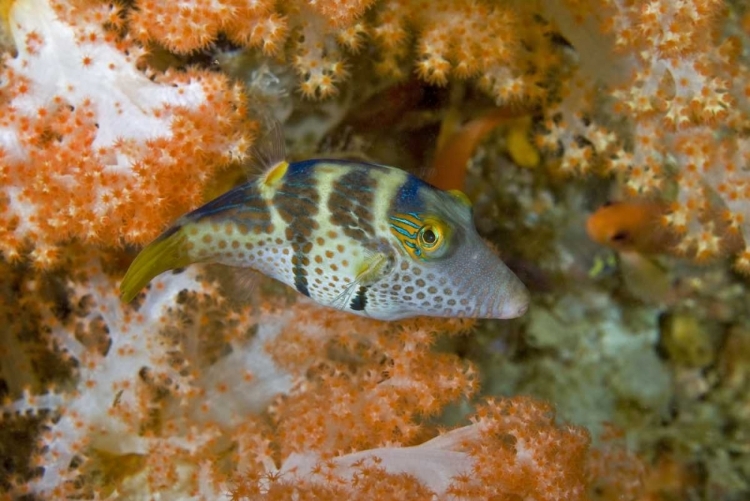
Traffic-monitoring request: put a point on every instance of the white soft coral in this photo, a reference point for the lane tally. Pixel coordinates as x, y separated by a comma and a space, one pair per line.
93, 148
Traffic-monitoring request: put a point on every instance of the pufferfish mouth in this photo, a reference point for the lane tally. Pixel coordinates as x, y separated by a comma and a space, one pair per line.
493, 289
502, 298
515, 305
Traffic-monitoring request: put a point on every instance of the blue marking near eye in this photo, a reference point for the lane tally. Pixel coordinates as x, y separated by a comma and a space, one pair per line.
404, 232
406, 221
408, 195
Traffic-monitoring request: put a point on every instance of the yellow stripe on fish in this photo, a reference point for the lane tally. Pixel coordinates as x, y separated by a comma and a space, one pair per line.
364, 238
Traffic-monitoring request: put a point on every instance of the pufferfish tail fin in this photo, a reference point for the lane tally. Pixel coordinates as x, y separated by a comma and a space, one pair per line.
167, 252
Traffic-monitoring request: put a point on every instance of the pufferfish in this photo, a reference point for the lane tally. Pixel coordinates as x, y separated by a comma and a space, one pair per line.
365, 238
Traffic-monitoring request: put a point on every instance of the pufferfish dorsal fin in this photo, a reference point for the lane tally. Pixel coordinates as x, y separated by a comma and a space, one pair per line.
268, 151
271, 157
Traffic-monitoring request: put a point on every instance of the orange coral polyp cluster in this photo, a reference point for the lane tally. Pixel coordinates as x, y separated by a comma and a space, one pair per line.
101, 153
341, 12
185, 27
462, 40
454, 38
378, 403
159, 383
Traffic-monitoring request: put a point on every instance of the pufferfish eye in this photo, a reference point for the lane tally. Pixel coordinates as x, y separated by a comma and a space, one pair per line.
423, 237
429, 237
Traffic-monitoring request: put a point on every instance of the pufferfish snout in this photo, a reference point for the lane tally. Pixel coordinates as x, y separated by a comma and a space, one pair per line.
369, 239
453, 272
480, 272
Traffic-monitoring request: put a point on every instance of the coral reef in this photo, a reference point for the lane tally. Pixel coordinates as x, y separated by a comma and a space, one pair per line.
188, 377
92, 147
627, 379
678, 76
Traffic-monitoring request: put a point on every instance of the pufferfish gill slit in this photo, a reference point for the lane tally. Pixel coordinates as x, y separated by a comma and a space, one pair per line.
365, 238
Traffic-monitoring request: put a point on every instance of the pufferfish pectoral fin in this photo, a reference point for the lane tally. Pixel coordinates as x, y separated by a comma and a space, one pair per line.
167, 252
374, 268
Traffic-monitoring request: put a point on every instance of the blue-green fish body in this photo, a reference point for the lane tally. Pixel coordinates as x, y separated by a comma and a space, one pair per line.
369, 239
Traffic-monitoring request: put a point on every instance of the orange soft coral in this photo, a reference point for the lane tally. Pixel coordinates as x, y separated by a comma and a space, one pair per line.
396, 380
185, 395
92, 148
506, 50
512, 450
188, 26
461, 38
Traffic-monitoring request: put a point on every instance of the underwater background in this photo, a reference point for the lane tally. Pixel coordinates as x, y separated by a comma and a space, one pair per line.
604, 145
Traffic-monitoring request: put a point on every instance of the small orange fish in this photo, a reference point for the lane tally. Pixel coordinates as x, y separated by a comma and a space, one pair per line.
457, 143
634, 230
632, 226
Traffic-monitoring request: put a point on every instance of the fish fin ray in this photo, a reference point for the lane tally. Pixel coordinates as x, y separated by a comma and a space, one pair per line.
342, 300
268, 152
